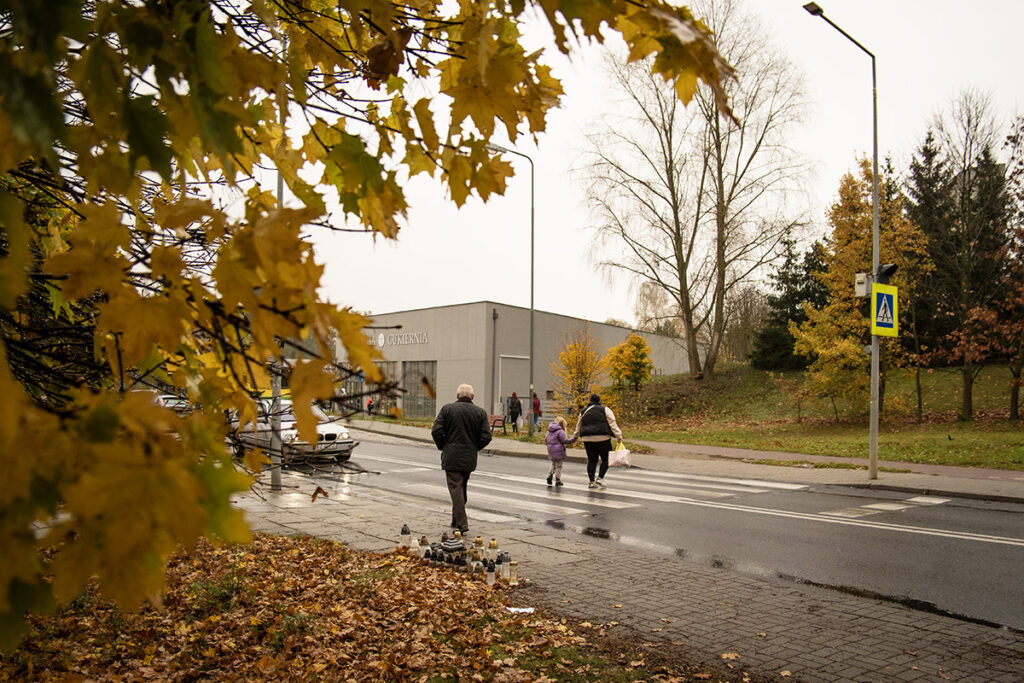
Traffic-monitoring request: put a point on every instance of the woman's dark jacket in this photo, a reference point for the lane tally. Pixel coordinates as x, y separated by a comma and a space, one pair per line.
594, 422
460, 431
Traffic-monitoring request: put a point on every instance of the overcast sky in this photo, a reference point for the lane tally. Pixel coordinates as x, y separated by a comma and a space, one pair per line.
927, 51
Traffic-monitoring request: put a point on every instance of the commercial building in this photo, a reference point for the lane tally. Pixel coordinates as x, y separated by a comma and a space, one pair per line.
487, 345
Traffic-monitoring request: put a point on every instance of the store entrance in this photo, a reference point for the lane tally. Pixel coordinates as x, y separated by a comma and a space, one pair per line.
417, 375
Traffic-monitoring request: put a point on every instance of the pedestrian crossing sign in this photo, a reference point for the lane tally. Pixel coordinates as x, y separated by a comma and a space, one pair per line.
884, 320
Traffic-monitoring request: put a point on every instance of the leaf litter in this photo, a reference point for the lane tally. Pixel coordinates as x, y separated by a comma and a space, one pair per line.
301, 608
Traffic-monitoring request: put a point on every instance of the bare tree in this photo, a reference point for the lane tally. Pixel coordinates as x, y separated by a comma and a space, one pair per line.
697, 199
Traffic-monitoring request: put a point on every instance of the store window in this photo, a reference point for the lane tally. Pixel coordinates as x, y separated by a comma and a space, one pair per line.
417, 375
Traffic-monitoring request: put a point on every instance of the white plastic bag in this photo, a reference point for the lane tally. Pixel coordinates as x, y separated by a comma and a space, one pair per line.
619, 457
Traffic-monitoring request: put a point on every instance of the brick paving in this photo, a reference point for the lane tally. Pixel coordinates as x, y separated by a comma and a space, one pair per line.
774, 626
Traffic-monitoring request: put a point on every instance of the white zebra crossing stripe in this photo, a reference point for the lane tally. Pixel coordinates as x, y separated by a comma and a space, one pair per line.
557, 494
887, 507
505, 500
575, 479
875, 508
647, 487
758, 483
852, 512
928, 500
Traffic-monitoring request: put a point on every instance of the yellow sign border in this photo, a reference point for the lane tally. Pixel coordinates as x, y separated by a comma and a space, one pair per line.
877, 289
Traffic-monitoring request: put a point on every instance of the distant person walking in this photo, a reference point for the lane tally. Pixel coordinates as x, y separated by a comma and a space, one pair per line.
556, 441
595, 428
515, 409
460, 432
536, 411
369, 406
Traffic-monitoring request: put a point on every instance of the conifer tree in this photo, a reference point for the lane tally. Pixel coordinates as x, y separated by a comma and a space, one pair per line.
795, 283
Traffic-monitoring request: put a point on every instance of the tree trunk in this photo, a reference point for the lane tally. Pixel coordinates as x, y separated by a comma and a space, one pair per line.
721, 263
967, 402
1015, 370
917, 388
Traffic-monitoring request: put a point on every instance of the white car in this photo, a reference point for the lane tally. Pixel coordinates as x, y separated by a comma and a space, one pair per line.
333, 441
179, 405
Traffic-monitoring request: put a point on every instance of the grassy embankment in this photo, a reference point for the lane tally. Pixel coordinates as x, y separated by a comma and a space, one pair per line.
745, 408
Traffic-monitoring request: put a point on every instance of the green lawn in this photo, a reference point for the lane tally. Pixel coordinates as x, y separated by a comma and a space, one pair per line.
955, 443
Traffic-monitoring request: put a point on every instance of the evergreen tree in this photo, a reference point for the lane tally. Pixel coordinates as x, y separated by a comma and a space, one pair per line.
965, 217
795, 283
930, 207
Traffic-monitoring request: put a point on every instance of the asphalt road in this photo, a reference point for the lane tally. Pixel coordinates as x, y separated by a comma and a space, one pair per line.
958, 557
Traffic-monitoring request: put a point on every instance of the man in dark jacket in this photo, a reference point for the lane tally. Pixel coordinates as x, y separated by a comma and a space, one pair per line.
460, 431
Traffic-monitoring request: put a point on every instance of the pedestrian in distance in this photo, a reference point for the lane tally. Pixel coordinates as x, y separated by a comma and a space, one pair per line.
369, 407
595, 428
536, 411
460, 431
515, 409
556, 441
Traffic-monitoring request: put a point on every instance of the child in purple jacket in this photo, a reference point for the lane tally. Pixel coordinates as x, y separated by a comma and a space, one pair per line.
556, 441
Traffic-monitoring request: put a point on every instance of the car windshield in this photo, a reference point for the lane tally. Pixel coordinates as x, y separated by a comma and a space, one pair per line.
288, 415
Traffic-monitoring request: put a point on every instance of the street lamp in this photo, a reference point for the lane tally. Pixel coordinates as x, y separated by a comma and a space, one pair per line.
816, 11
498, 148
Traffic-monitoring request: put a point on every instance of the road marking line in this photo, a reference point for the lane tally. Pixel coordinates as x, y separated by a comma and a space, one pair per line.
851, 512
533, 480
552, 495
928, 500
516, 503
715, 482
615, 491
725, 480
883, 526
673, 484
890, 507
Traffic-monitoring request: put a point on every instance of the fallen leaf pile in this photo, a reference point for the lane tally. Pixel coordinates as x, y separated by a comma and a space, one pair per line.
302, 608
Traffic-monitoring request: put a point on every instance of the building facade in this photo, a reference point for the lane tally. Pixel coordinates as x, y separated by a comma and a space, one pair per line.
487, 345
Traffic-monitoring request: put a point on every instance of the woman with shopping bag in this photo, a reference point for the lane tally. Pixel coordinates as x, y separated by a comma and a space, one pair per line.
595, 428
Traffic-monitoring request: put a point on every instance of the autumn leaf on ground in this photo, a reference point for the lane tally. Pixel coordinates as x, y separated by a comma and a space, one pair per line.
731, 655
319, 492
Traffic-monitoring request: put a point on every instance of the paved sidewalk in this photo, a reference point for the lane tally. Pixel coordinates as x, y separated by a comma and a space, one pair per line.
706, 612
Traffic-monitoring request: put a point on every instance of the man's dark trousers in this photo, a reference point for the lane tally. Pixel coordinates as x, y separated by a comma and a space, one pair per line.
457, 482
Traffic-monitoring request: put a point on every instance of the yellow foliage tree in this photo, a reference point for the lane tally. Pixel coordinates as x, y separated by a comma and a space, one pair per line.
578, 372
834, 336
125, 130
629, 365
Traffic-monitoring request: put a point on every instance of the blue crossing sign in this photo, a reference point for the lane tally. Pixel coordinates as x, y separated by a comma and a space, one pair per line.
884, 303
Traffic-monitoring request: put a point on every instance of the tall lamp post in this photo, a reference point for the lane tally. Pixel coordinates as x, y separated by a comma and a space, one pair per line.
498, 148
817, 11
